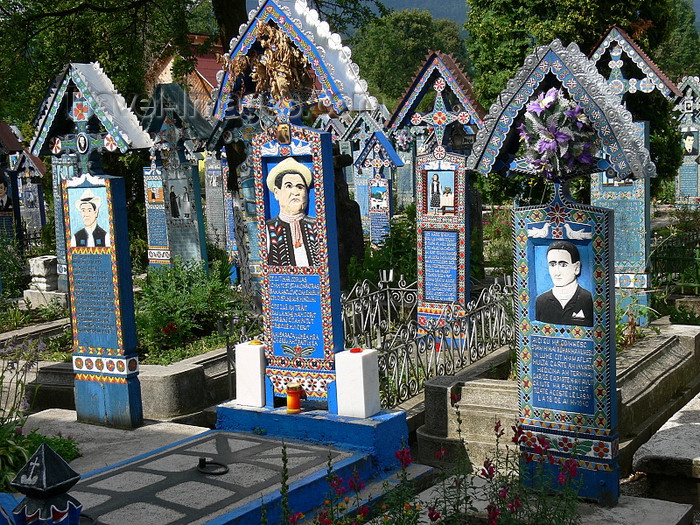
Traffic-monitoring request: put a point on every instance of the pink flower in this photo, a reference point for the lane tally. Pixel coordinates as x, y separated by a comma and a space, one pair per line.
498, 430
433, 514
493, 514
517, 433
503, 493
355, 483
515, 504
404, 457
439, 454
488, 471
337, 485
363, 511
295, 518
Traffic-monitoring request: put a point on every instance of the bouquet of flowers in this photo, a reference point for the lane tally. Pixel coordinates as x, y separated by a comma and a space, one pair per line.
403, 140
558, 139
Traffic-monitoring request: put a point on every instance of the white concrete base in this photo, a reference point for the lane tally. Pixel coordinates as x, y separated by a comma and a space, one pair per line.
44, 298
250, 374
357, 382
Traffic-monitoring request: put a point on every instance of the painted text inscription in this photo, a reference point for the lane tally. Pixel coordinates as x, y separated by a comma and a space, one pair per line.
562, 373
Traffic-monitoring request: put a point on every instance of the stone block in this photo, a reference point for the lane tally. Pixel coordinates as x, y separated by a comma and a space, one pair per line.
250, 374
44, 273
44, 297
357, 382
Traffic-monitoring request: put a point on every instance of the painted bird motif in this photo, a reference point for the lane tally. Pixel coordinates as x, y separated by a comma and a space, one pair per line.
577, 235
538, 233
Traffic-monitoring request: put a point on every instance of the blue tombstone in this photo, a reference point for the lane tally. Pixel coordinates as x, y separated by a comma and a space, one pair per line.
629, 199
356, 135
296, 232
688, 108
94, 237
379, 155
563, 260
107, 389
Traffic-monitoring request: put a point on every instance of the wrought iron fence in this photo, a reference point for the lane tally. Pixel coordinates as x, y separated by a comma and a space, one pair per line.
675, 263
372, 312
458, 338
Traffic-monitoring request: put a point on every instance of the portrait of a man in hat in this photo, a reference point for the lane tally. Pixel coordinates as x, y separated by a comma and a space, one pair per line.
291, 236
91, 235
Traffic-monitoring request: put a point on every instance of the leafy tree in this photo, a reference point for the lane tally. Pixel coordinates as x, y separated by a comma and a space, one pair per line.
503, 32
677, 54
390, 48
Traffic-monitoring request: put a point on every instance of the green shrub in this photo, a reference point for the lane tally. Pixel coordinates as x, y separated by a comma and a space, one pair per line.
397, 252
684, 315
498, 241
13, 266
179, 303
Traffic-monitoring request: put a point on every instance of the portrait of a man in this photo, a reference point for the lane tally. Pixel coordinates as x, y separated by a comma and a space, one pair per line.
91, 235
291, 236
5, 199
690, 146
567, 302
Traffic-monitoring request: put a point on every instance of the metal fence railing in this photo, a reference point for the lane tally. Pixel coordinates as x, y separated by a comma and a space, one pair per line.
457, 339
675, 263
383, 317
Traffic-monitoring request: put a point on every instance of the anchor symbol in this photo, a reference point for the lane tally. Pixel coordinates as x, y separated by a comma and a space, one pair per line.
31, 479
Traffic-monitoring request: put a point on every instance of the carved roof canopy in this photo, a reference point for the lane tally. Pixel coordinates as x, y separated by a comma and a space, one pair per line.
568, 68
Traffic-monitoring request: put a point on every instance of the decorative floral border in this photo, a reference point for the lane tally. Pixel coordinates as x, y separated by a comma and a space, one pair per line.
106, 365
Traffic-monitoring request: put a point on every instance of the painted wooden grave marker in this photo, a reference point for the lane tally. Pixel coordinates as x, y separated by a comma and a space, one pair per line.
630, 199
565, 306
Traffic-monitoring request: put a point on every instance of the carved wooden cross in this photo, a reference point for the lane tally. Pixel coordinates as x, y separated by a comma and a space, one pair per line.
439, 118
81, 143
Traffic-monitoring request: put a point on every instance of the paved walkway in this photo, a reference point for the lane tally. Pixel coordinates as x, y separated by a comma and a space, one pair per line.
156, 479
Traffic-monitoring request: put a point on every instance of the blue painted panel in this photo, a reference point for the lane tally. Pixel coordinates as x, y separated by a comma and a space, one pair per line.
688, 183
378, 227
93, 289
563, 374
295, 304
441, 250
157, 232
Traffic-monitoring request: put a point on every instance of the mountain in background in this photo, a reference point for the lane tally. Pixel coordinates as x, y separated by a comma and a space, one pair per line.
452, 9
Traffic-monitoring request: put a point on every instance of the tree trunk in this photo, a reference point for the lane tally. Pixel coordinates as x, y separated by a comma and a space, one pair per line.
230, 14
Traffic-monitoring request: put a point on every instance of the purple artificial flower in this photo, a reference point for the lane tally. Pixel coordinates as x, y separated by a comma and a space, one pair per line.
585, 157
576, 114
535, 107
550, 98
551, 138
569, 158
524, 135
